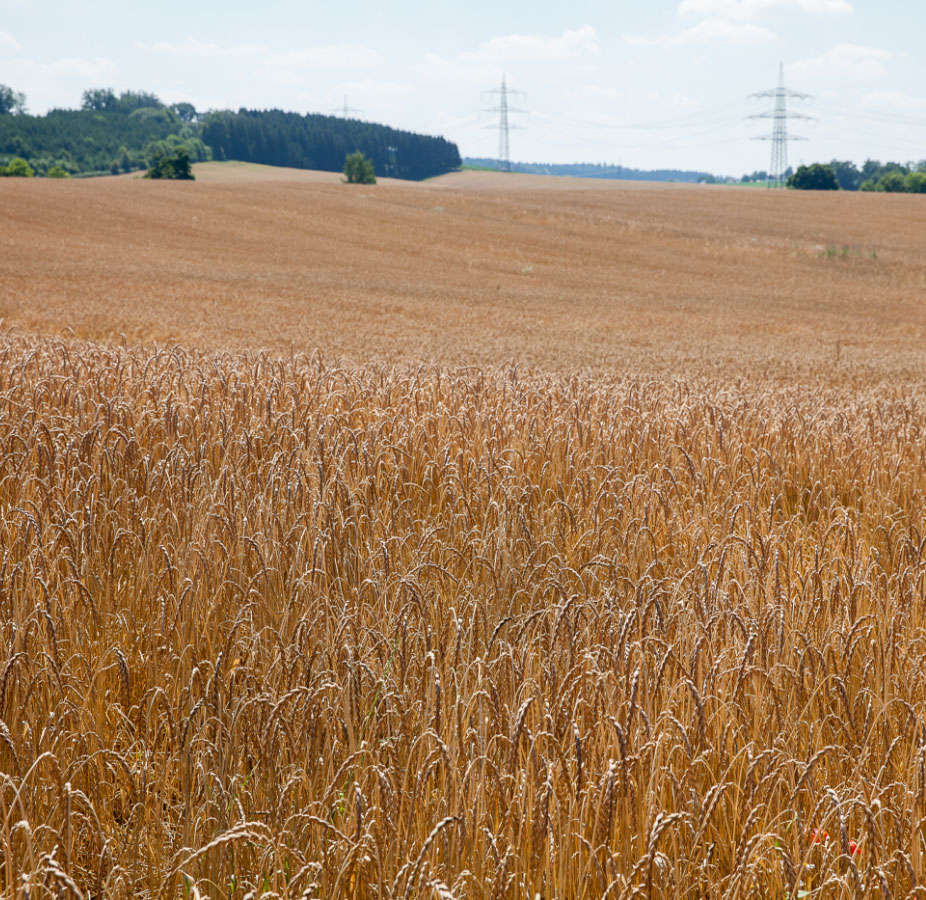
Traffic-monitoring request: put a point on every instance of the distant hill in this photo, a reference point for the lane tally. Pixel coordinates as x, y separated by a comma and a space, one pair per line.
593, 170
111, 134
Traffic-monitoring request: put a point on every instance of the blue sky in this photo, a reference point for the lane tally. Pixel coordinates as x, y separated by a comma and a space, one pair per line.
650, 85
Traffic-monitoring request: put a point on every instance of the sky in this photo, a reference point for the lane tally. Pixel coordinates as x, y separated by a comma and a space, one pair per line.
657, 84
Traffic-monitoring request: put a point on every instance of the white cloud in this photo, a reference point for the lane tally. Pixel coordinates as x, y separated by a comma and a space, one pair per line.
852, 61
683, 101
57, 83
536, 47
492, 56
708, 31
334, 56
79, 66
376, 97
200, 49
592, 92
8, 42
742, 10
438, 68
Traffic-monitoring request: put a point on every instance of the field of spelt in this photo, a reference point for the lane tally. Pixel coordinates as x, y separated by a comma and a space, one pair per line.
277, 624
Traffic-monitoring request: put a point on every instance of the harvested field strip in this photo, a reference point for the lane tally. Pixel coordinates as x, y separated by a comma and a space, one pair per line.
279, 626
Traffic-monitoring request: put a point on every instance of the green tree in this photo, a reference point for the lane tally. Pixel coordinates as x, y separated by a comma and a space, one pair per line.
18, 168
916, 183
175, 165
57, 172
11, 102
847, 174
185, 112
870, 170
129, 101
893, 182
99, 100
818, 177
358, 169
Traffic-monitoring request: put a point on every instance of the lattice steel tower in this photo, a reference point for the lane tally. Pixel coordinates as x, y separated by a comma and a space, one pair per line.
345, 110
779, 136
504, 109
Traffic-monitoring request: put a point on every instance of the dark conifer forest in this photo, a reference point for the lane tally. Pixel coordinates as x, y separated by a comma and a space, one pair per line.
322, 142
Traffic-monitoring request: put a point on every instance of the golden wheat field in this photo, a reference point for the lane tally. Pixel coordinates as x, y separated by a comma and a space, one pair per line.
608, 581
650, 279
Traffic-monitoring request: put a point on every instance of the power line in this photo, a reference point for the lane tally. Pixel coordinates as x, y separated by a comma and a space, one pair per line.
696, 118
779, 136
504, 109
890, 118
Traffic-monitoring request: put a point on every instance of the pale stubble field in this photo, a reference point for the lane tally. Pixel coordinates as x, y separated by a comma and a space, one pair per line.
460, 540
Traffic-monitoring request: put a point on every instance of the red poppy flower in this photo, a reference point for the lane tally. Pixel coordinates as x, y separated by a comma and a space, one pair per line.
818, 837
854, 848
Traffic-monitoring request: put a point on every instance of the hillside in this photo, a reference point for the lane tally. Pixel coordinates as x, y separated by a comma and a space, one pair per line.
113, 134
654, 278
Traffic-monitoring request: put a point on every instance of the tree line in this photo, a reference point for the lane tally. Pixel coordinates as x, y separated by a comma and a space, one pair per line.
134, 130
592, 170
109, 134
891, 177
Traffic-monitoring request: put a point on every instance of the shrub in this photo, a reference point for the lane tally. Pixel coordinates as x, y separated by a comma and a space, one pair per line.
175, 166
17, 168
892, 183
358, 169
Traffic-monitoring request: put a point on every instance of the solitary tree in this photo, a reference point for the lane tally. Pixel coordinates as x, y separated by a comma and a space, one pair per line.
11, 102
817, 177
358, 169
175, 165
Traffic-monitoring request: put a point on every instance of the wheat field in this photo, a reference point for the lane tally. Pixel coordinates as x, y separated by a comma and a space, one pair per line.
277, 625
658, 280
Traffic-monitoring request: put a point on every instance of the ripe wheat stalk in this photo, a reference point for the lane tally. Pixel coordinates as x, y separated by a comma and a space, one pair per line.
278, 628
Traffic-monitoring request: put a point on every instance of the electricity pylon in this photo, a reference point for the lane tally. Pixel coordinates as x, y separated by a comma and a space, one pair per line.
504, 109
345, 110
779, 136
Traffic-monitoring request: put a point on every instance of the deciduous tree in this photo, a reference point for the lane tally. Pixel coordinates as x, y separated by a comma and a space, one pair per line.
17, 168
11, 102
358, 169
818, 177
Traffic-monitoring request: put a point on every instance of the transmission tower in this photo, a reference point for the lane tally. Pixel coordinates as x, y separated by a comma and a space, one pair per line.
345, 110
504, 109
779, 136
